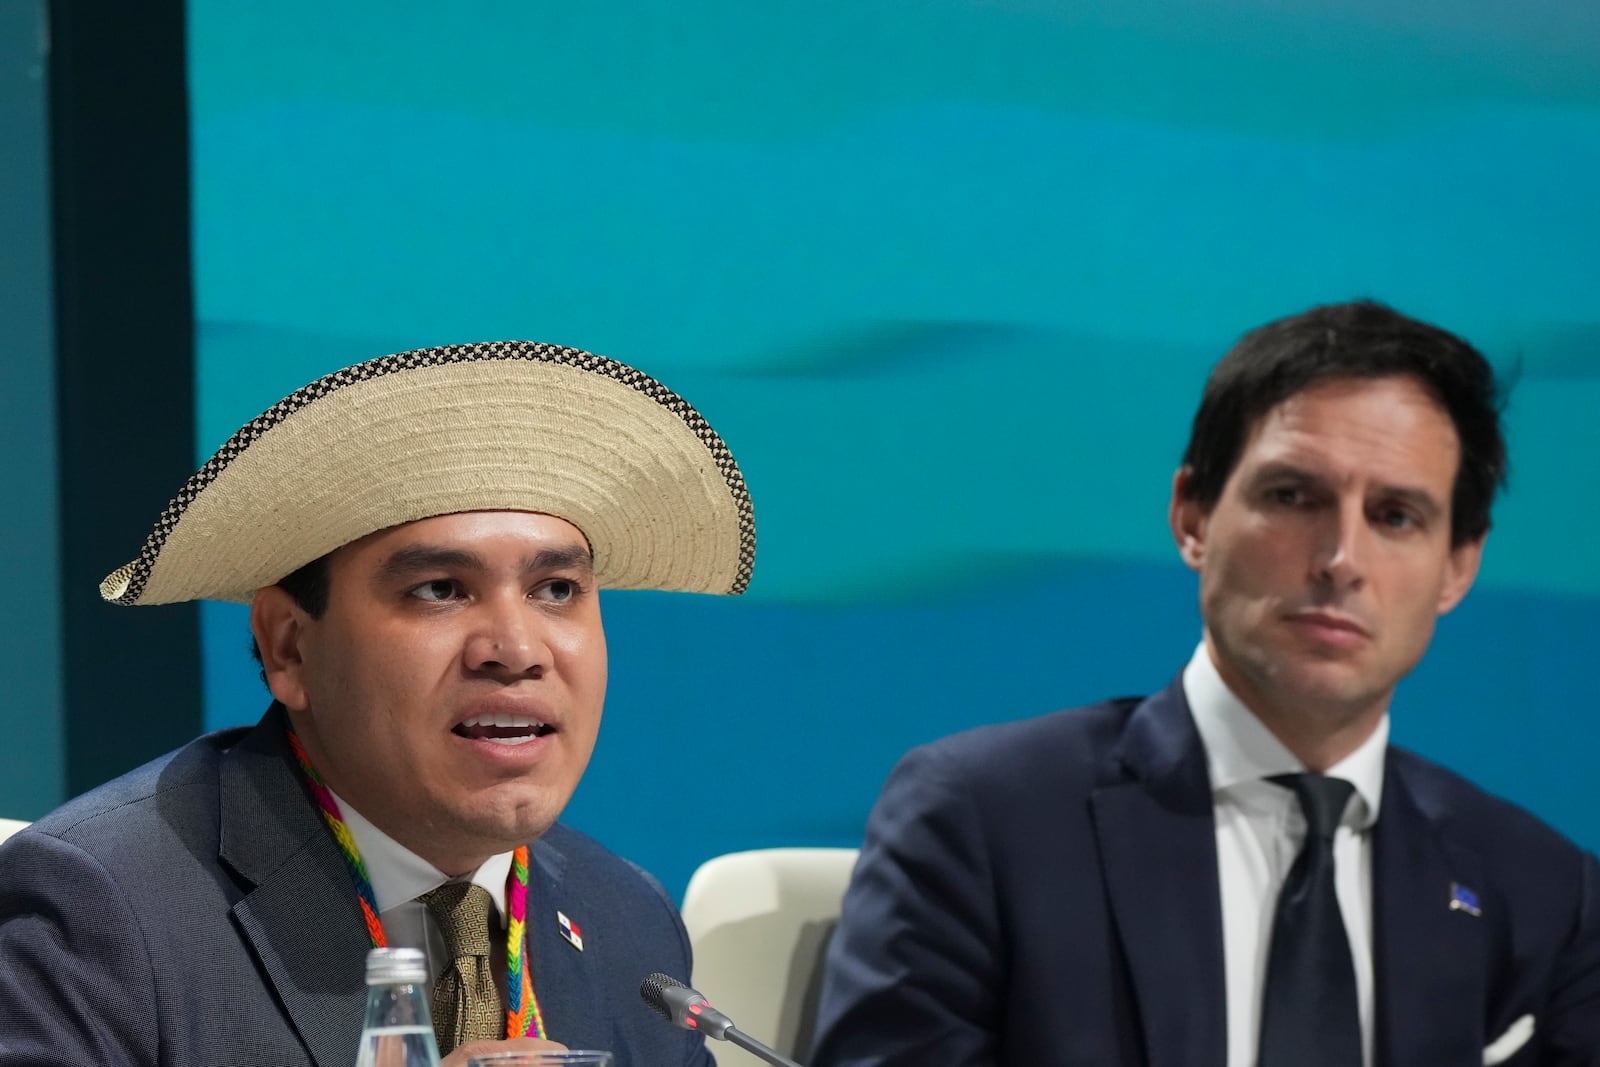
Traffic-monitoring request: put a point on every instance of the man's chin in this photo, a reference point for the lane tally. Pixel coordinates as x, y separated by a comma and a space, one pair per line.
1332, 693
514, 821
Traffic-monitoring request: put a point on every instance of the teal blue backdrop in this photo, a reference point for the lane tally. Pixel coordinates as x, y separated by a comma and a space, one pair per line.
33, 780
948, 276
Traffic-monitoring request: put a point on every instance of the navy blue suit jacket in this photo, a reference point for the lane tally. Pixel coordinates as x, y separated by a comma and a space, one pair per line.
1044, 894
195, 913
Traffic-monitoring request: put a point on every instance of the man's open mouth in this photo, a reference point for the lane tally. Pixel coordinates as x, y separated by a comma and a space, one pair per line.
503, 728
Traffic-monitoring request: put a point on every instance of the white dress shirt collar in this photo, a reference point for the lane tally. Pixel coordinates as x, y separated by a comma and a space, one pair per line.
399, 875
1239, 748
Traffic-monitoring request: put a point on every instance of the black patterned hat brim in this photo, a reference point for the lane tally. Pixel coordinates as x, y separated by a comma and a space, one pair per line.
512, 425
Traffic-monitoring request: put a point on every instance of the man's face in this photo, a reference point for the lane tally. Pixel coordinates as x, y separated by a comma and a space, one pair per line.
1327, 559
452, 690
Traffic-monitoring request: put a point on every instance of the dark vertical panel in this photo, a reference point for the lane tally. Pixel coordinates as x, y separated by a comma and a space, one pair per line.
125, 368
31, 761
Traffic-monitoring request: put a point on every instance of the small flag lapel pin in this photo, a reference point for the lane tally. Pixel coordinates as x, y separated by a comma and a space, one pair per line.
1464, 899
574, 936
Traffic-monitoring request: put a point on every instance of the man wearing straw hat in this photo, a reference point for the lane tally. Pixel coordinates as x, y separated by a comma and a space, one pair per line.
421, 539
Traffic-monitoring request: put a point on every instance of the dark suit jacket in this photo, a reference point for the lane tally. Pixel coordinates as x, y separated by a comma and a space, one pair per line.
195, 913
1044, 893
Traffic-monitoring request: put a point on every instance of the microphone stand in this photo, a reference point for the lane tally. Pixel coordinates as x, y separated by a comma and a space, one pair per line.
751, 1045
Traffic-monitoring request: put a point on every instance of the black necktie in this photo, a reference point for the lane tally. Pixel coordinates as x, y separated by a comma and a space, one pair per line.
1309, 1015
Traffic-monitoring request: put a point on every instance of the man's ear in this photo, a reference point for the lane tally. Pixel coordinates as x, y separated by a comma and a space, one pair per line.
278, 624
1188, 521
1462, 570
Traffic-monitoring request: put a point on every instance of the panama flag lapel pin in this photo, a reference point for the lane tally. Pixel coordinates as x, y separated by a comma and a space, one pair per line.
1464, 899
570, 931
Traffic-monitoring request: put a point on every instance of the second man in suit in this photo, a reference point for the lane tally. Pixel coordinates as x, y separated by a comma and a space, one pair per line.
1241, 870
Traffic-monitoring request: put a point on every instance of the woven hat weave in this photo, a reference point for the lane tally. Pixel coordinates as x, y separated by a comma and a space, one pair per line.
512, 425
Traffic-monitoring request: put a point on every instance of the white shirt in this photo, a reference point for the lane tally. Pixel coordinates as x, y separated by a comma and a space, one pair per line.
1259, 832
399, 876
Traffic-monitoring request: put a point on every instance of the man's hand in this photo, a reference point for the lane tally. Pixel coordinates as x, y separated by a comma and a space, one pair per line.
460, 1056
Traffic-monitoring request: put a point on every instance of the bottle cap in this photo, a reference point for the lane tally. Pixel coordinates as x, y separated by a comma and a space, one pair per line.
388, 966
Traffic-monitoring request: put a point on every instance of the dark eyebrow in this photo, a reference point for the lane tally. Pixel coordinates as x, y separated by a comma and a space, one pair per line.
572, 557
413, 560
1271, 472
1420, 499
417, 559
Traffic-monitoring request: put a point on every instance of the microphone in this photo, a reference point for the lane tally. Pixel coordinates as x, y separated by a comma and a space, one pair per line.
682, 1006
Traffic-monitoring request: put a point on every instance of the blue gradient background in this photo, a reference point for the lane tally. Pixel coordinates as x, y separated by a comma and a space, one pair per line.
948, 277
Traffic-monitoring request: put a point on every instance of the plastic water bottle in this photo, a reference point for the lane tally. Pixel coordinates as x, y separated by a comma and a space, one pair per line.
398, 1031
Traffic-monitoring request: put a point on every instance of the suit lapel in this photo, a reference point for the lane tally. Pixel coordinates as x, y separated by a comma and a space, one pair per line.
1158, 848
1429, 959
301, 919
562, 980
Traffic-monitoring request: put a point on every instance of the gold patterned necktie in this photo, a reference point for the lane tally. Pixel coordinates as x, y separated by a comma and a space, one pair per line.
466, 1003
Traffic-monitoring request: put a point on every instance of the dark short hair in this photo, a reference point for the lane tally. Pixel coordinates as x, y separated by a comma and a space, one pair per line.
307, 587
1361, 339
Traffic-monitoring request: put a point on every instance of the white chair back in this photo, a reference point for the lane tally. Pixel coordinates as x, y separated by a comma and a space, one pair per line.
9, 827
760, 923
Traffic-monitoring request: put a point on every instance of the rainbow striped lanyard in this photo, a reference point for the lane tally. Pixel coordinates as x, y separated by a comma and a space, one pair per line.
523, 1018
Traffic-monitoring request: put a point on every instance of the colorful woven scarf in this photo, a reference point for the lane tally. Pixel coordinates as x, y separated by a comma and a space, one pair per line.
523, 1018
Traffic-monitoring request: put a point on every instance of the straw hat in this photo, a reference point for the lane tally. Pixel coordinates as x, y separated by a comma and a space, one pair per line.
501, 426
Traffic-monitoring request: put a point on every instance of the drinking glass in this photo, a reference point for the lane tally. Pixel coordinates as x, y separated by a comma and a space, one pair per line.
570, 1058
